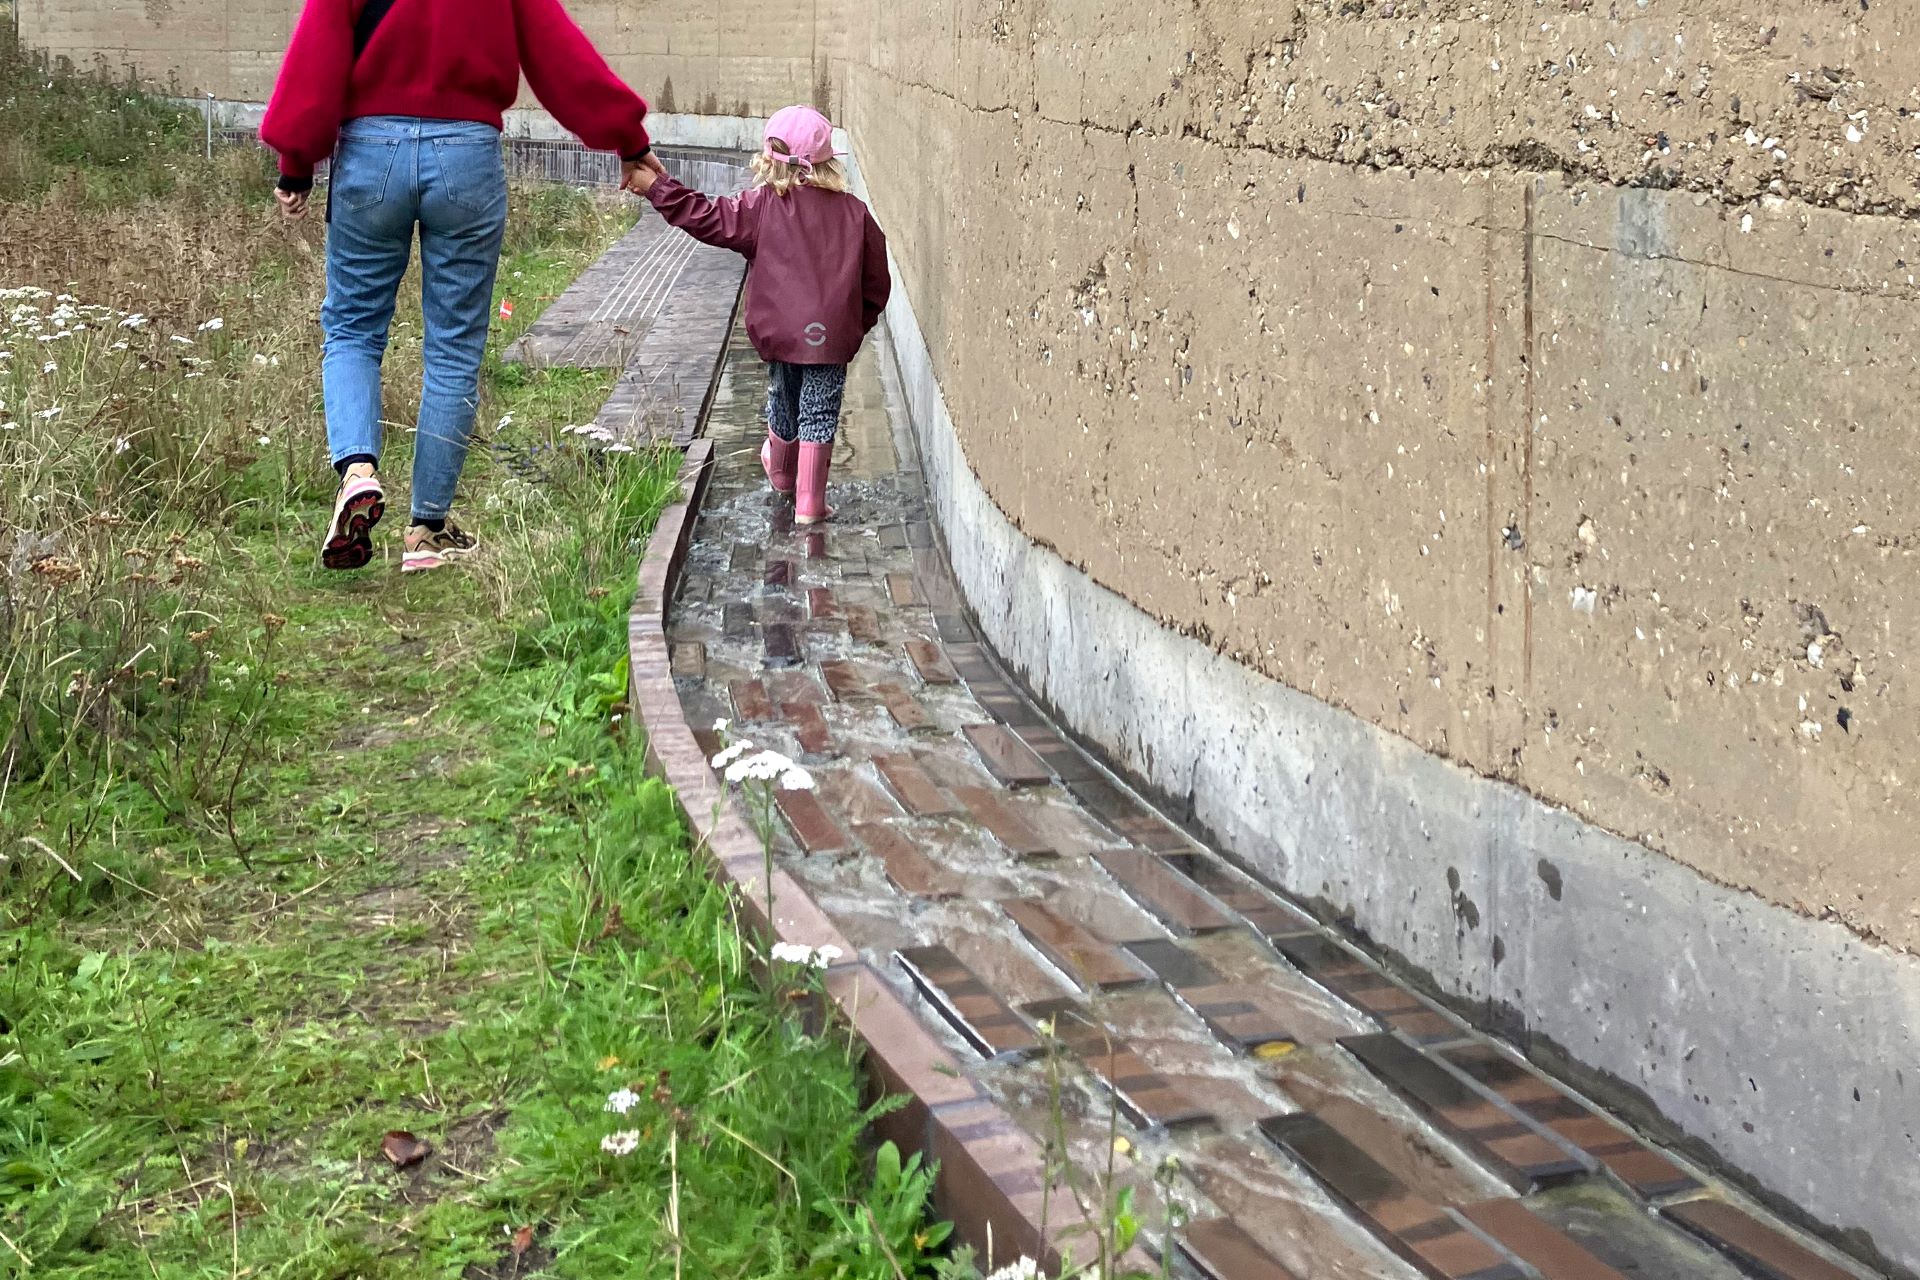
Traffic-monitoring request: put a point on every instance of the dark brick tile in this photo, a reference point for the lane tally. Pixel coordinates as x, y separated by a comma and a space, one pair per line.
992, 810
1004, 703
1519, 1154
913, 788
737, 621
1364, 987
783, 644
709, 742
810, 726
695, 588
971, 661
910, 870
779, 575
862, 624
690, 660
919, 535
1222, 1251
1644, 1170
845, 682
1073, 949
1006, 757
779, 608
1413, 1227
750, 702
953, 627
891, 538
1067, 761
1517, 1230
1760, 1250
812, 825
1169, 896
795, 686
1269, 916
901, 590
905, 708
1145, 1096
931, 663
1234, 1011
1127, 817
982, 1018
821, 606
745, 557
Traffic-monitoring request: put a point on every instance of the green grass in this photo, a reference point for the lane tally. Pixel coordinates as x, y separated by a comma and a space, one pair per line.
293, 860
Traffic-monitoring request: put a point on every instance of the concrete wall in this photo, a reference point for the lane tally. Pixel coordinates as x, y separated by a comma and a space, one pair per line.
1524, 385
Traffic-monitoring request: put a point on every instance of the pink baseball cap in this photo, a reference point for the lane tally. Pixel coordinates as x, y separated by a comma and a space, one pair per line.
808, 136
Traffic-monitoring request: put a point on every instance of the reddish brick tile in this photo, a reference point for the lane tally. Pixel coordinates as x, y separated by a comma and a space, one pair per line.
1269, 917
1643, 1169
913, 788
1418, 1230
817, 547
993, 1187
1235, 1012
750, 702
1550, 1251
812, 825
1222, 1251
1173, 899
784, 647
931, 663
1760, 1250
810, 726
901, 590
862, 624
1145, 1096
905, 708
1522, 1156
779, 575
845, 682
982, 1018
1089, 960
1007, 758
911, 871
992, 810
690, 659
821, 606
795, 686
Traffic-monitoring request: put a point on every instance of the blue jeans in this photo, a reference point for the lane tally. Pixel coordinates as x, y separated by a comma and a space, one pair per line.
391, 174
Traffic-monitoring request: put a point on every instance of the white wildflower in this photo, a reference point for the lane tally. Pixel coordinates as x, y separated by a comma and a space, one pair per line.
621, 1101
722, 725
121, 444
506, 420
796, 779
135, 321
805, 956
764, 767
265, 441
51, 366
48, 415
183, 340
1025, 1269
119, 346
619, 448
732, 753
623, 1143
212, 326
260, 359
6, 355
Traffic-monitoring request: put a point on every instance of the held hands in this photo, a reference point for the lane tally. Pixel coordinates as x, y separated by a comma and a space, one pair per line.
638, 176
293, 204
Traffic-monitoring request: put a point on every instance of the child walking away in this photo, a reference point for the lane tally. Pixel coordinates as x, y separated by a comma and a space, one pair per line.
817, 283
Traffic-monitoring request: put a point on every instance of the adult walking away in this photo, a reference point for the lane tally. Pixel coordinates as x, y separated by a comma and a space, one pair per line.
407, 97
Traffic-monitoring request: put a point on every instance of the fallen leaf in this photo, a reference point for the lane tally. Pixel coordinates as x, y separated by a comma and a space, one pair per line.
402, 1149
522, 1241
609, 1062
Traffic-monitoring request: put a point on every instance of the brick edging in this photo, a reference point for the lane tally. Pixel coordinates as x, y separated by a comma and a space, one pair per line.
993, 1175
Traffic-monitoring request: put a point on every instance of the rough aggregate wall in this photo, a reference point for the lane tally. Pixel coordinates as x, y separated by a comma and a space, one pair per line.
1568, 443
1527, 378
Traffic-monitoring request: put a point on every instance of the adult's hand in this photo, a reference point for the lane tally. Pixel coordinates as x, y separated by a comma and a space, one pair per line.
638, 176
293, 204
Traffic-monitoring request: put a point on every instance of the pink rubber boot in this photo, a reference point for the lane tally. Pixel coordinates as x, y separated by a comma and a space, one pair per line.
810, 493
777, 460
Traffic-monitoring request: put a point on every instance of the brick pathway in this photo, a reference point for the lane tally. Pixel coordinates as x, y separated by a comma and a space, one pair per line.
1327, 1121
1124, 995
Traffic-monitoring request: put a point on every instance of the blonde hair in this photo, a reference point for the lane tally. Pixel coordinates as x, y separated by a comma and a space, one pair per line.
783, 175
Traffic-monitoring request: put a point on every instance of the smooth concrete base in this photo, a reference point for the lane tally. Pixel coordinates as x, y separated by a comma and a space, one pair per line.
1774, 1044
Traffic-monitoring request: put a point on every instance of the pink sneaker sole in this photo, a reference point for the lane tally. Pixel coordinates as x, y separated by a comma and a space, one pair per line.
349, 543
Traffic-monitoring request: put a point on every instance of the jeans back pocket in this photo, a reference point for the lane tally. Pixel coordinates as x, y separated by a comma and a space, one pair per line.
362, 169
472, 172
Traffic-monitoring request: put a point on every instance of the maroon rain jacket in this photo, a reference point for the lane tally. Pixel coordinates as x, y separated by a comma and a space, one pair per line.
818, 277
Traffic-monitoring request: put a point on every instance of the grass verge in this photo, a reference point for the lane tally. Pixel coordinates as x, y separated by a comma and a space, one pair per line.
296, 863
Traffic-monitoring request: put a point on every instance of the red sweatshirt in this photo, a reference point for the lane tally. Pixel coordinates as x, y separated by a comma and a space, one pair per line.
443, 60
818, 278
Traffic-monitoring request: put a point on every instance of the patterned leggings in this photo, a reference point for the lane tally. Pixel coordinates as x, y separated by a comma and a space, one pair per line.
803, 400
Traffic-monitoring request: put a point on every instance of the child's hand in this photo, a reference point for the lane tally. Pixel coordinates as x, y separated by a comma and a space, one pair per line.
638, 176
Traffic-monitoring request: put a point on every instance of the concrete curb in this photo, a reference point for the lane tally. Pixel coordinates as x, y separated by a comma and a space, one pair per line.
993, 1182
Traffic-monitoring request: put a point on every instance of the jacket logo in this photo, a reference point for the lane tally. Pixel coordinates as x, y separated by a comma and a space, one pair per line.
816, 334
